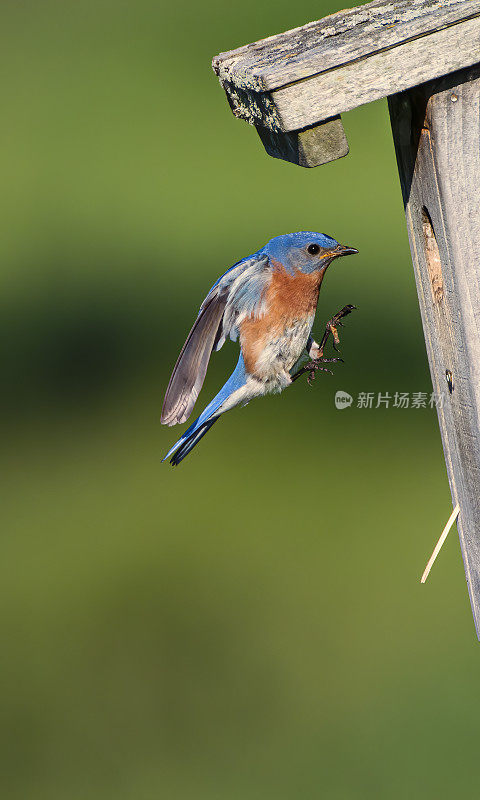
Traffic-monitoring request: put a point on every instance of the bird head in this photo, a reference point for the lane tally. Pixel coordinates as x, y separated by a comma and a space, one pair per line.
306, 251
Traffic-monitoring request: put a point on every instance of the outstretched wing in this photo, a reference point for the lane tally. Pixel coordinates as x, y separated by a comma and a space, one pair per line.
237, 294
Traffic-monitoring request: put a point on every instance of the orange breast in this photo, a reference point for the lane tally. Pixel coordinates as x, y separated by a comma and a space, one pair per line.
289, 299
293, 296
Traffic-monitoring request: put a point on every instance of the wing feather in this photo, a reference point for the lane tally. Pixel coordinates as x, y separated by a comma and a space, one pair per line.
191, 367
236, 294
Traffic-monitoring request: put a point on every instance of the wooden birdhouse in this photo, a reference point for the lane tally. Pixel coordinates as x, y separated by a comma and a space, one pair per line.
424, 56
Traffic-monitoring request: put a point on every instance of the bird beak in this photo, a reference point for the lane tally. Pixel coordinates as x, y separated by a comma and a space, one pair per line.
343, 250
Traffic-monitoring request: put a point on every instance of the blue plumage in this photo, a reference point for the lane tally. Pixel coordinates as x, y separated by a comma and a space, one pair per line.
268, 301
209, 415
289, 249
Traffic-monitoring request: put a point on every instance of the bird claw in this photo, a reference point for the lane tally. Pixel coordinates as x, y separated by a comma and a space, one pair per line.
316, 366
333, 324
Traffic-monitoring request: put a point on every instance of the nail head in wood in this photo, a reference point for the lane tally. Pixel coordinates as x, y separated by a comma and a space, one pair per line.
437, 140
425, 56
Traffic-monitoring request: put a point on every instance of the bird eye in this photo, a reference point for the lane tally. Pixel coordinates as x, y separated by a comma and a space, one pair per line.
313, 249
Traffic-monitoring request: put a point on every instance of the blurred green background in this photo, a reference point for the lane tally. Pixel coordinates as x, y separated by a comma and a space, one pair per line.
250, 625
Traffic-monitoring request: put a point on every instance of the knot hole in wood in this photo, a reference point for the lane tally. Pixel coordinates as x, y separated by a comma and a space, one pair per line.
432, 256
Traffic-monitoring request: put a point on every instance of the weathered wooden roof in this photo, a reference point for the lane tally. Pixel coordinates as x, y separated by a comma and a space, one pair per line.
306, 75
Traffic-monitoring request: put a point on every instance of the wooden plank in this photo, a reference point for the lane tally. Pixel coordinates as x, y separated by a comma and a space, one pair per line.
437, 140
337, 40
309, 74
309, 147
378, 76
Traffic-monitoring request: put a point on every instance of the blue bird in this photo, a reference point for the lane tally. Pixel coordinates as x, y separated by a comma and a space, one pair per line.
267, 301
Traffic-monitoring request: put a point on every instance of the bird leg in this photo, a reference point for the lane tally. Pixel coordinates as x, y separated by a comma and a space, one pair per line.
314, 366
331, 328
315, 351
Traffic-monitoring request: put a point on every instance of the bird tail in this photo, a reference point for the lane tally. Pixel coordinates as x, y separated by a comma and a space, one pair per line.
190, 442
204, 422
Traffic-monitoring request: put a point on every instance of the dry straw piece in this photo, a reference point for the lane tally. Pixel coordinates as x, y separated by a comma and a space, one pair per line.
453, 516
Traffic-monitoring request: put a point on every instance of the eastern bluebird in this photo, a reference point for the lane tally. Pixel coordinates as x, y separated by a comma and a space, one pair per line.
267, 300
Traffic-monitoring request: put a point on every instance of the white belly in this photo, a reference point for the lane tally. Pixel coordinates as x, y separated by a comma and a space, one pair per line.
280, 355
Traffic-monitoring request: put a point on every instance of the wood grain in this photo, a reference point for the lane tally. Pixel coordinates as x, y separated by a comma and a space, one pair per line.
309, 74
309, 147
378, 76
337, 40
437, 140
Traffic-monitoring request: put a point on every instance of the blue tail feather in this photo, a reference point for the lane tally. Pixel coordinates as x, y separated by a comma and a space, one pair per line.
190, 443
204, 422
